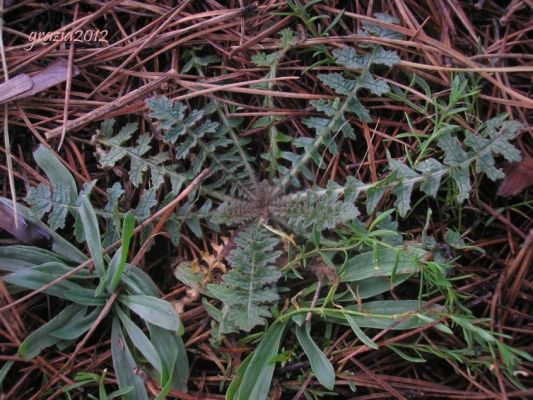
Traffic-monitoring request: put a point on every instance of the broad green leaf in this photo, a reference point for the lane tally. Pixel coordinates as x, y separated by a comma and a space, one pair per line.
77, 325
256, 379
153, 310
38, 276
85, 296
124, 365
373, 286
56, 172
320, 364
41, 338
382, 263
138, 282
173, 356
139, 340
16, 257
92, 235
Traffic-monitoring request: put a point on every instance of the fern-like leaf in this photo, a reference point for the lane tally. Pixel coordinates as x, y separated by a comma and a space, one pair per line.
249, 288
140, 161
347, 87
405, 185
58, 200
201, 140
313, 209
371, 29
321, 209
457, 159
494, 139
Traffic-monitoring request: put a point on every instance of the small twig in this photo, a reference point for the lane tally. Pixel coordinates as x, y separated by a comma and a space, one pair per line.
68, 84
105, 109
6, 121
315, 299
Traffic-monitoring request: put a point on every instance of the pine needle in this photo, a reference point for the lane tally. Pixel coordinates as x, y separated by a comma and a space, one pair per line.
7, 144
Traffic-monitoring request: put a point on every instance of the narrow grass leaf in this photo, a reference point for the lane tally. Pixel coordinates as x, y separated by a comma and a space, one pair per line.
406, 356
359, 332
5, 370
234, 385
118, 268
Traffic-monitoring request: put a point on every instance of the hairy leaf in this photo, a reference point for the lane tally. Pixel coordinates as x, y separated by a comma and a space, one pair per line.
249, 287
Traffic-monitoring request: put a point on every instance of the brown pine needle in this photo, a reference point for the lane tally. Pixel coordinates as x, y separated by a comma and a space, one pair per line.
7, 143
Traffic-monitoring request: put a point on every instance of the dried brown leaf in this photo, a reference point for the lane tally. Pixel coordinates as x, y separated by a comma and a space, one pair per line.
25, 231
15, 86
23, 85
518, 177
